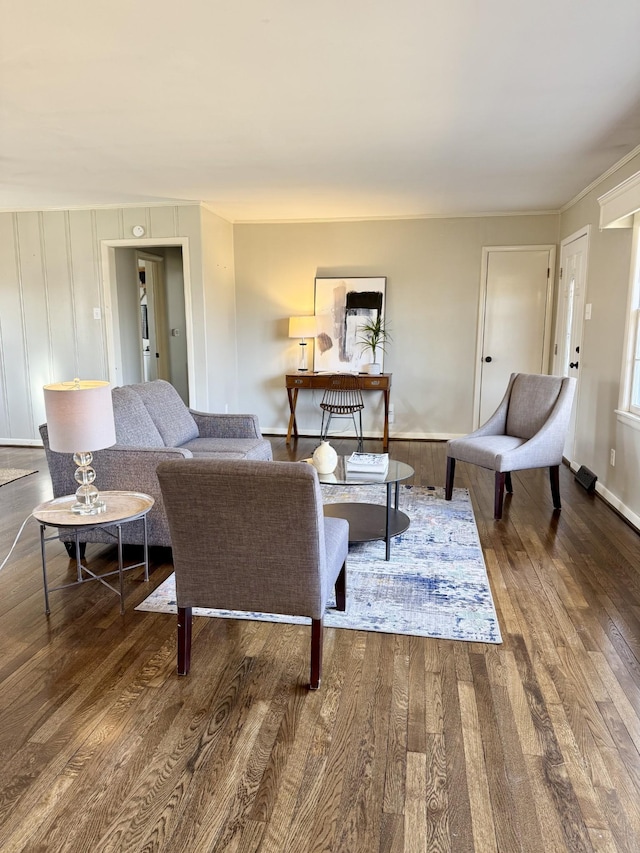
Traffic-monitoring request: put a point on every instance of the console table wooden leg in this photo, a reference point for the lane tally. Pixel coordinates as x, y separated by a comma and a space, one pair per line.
293, 426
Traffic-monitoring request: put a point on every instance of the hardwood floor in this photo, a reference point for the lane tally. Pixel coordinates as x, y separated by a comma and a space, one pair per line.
410, 744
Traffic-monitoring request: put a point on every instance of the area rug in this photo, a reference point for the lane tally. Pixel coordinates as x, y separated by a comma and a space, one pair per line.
8, 475
434, 585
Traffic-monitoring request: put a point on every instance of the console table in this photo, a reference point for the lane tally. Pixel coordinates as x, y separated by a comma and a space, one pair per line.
321, 381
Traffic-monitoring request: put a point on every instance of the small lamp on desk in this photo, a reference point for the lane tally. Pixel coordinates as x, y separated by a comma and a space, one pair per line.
79, 421
303, 327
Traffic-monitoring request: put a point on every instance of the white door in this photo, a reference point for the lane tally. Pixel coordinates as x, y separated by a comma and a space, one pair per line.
571, 314
514, 320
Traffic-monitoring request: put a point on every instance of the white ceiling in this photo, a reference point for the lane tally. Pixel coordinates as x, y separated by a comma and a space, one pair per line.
287, 109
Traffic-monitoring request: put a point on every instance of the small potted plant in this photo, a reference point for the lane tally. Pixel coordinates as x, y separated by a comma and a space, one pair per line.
373, 335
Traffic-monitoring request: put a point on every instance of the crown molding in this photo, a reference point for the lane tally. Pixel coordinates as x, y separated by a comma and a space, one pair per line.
603, 177
115, 206
408, 217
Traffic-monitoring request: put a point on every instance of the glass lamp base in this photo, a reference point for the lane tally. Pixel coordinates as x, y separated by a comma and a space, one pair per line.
89, 509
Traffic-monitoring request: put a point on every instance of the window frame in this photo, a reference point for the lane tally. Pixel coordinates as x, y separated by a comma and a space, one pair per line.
631, 355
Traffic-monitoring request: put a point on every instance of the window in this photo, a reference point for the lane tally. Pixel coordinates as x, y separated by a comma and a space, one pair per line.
631, 371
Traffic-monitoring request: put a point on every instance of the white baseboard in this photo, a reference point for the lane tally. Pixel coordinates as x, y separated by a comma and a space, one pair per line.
21, 442
618, 505
613, 501
406, 436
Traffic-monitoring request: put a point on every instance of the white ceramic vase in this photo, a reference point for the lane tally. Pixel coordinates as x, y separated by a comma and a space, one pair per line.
325, 458
373, 367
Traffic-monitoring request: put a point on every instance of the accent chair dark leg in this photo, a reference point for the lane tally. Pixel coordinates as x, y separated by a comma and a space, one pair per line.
341, 589
185, 620
451, 470
554, 477
507, 482
499, 495
316, 653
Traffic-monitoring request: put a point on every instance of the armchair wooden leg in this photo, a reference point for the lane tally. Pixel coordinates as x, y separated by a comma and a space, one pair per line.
448, 486
185, 619
316, 653
499, 495
554, 477
507, 482
341, 589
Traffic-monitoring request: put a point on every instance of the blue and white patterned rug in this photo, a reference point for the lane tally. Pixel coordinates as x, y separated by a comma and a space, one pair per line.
434, 585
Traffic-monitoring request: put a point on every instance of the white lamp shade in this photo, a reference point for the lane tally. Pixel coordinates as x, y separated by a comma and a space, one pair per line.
303, 327
79, 416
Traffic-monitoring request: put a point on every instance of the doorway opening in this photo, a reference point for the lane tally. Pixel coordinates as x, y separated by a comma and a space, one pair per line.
146, 292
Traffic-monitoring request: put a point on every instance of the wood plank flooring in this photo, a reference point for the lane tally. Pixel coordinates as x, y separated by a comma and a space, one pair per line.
410, 745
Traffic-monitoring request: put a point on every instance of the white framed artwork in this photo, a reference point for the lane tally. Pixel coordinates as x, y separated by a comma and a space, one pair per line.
342, 305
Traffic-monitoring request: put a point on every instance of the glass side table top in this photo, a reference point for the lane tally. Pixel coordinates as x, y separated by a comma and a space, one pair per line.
396, 472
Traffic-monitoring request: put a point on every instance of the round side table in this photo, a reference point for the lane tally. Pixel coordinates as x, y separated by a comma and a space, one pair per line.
122, 507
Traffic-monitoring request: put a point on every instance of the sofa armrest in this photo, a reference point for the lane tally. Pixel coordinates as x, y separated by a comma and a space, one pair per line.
226, 426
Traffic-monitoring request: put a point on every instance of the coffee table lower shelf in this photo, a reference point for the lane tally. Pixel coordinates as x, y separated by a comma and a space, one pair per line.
368, 522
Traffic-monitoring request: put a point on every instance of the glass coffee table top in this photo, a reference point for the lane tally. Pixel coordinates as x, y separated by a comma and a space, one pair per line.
396, 473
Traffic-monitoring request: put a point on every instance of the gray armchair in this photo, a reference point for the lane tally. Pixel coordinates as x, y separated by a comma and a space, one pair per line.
527, 430
252, 536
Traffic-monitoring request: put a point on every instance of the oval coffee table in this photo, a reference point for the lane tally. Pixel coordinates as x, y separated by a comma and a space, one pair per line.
369, 522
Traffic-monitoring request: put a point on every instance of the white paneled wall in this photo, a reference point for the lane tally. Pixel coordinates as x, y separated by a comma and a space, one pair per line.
50, 286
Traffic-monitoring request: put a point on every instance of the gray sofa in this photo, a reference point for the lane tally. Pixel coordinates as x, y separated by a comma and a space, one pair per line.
153, 425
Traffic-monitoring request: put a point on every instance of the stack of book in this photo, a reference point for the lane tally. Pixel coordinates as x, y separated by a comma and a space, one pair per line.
374, 464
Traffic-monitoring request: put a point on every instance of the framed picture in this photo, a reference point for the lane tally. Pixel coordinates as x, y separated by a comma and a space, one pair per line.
342, 305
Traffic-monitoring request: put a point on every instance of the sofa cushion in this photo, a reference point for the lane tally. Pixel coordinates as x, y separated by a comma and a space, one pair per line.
168, 412
231, 448
134, 425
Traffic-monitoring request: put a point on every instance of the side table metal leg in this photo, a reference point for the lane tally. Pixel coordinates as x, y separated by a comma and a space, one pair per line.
146, 548
78, 559
120, 568
44, 571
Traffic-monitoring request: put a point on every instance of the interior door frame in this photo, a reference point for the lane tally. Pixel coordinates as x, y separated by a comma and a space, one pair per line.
110, 300
482, 308
585, 231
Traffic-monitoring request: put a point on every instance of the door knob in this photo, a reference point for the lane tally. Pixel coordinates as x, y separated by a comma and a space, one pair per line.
573, 364
488, 359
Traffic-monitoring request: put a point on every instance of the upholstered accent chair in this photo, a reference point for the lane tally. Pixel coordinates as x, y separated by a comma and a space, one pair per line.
252, 536
527, 430
343, 400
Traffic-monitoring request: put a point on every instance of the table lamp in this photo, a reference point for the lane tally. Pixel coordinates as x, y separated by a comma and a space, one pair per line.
303, 327
80, 415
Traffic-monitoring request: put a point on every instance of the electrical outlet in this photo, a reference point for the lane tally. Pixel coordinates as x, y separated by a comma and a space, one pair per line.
97, 314
392, 413
612, 458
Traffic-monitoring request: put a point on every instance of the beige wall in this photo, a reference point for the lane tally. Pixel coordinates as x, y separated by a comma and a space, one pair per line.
598, 428
433, 281
220, 312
